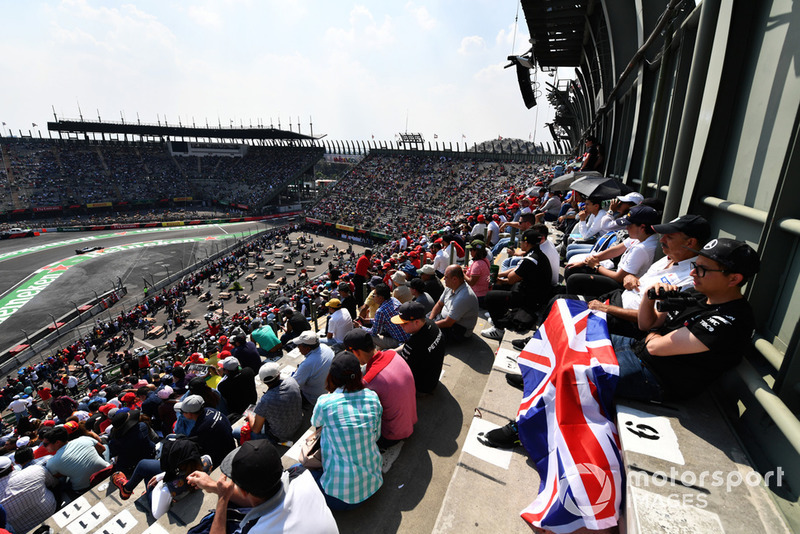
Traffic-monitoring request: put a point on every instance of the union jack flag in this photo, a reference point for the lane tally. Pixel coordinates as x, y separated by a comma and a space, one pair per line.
570, 371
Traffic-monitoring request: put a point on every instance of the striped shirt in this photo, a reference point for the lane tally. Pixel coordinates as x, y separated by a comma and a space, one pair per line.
351, 426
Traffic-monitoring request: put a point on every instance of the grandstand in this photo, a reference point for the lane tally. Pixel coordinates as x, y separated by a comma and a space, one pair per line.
64, 175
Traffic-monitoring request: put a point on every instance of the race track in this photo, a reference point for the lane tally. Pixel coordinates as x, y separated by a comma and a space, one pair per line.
45, 273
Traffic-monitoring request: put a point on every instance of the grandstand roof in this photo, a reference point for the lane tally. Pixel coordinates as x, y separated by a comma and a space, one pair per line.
157, 130
556, 28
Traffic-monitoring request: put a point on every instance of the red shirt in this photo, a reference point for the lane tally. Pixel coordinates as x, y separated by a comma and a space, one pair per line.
362, 266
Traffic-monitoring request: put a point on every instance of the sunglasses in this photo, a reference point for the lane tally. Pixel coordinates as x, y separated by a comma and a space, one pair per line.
701, 271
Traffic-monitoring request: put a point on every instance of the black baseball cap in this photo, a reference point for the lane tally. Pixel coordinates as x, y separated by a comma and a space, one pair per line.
255, 467
358, 339
735, 256
638, 215
344, 367
409, 311
691, 225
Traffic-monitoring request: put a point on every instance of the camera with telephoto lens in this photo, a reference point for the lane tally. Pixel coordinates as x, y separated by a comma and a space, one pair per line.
669, 301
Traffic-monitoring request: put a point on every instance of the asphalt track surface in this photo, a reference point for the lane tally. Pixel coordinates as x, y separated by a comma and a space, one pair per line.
132, 256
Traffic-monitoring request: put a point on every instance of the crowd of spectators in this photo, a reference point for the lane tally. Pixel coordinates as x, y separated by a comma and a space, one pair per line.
420, 293
390, 194
49, 173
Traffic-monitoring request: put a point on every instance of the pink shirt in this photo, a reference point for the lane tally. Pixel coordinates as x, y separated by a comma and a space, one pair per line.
395, 386
481, 268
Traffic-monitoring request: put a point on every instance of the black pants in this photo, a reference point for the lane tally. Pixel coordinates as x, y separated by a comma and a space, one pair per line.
358, 281
591, 285
497, 302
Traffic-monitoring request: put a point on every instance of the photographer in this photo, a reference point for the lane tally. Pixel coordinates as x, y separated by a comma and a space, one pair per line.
702, 335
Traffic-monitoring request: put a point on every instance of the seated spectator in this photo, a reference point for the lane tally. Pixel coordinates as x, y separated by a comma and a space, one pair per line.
433, 286
456, 312
279, 412
247, 353
294, 325
679, 239
530, 287
385, 334
339, 322
238, 386
348, 300
688, 348
77, 460
349, 421
254, 479
310, 375
401, 291
389, 376
179, 457
267, 340
637, 256
417, 287
587, 230
129, 441
477, 274
211, 430
424, 350
28, 497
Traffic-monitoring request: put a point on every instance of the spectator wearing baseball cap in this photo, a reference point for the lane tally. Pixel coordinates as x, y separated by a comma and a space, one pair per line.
591, 276
391, 378
704, 335
255, 476
424, 350
237, 386
339, 323
679, 239
312, 371
211, 430
279, 411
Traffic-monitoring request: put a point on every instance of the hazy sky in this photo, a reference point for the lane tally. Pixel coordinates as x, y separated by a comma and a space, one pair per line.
358, 69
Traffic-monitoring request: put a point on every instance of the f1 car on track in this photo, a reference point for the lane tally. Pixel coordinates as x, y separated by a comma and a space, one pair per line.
84, 250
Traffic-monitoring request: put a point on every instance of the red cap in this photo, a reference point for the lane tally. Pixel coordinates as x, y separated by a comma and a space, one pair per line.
71, 426
128, 397
481, 218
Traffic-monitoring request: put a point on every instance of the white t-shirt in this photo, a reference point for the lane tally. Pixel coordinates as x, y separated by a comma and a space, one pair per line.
639, 255
494, 229
549, 250
676, 274
339, 324
300, 507
441, 261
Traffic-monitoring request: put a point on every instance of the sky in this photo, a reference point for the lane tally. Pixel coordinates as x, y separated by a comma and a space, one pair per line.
354, 69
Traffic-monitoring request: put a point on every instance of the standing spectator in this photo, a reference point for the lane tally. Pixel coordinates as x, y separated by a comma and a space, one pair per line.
361, 275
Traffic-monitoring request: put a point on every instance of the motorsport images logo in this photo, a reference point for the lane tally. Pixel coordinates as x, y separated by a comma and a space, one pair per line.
595, 481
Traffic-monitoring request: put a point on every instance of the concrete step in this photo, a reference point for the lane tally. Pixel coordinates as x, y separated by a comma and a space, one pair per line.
490, 487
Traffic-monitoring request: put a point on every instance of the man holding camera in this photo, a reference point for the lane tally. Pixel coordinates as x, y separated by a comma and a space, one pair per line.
700, 335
